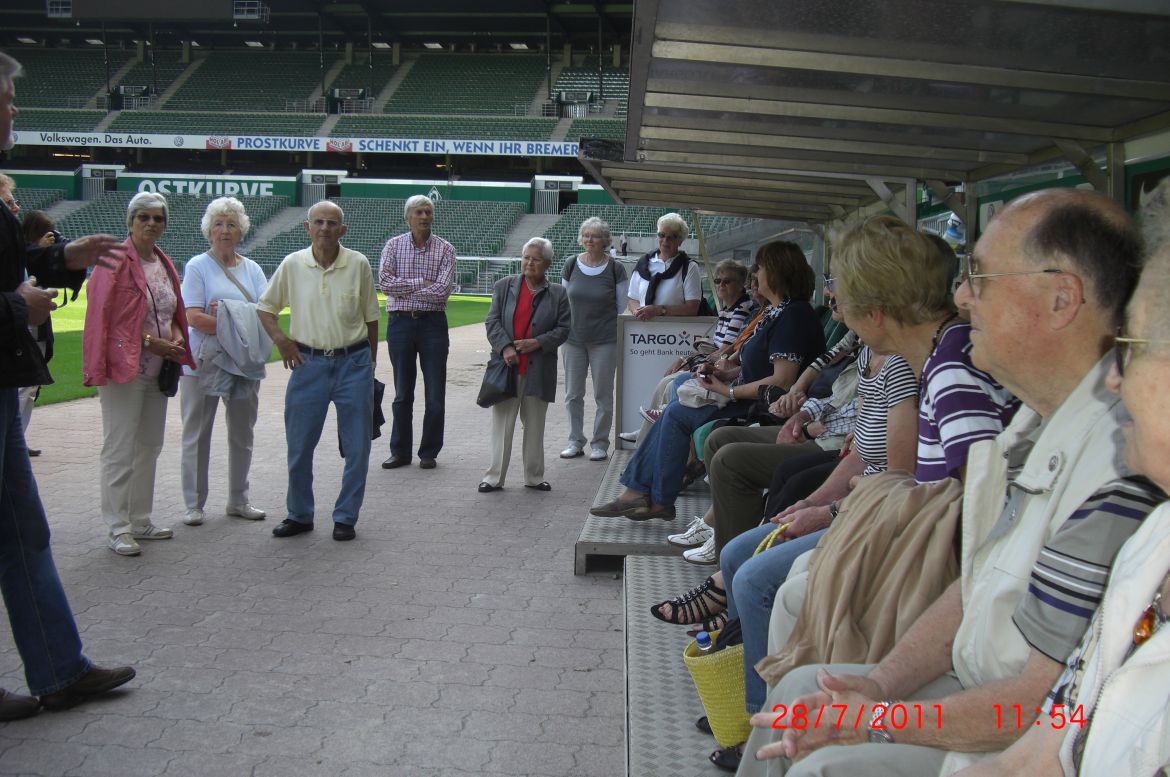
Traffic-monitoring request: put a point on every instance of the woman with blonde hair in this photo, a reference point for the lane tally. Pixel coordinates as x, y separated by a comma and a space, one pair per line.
135, 326
664, 283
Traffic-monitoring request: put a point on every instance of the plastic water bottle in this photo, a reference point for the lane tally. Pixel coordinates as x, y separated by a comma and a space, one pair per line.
704, 643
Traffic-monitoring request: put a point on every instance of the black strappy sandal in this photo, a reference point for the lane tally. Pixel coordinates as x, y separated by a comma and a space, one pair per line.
727, 758
698, 605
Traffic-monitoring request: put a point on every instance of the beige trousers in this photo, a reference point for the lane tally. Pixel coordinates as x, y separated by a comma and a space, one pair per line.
531, 411
134, 417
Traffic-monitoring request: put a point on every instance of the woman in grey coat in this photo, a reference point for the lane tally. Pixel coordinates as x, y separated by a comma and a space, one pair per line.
528, 320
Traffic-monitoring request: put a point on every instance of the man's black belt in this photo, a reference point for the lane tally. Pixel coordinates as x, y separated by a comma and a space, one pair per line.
414, 313
331, 352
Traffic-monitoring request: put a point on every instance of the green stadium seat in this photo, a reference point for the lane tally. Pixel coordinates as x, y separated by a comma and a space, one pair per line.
468, 84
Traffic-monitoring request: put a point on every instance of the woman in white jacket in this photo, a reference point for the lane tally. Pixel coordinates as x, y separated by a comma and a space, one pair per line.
1109, 713
209, 278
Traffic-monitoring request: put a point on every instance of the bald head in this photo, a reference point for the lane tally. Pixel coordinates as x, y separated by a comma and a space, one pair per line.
1086, 233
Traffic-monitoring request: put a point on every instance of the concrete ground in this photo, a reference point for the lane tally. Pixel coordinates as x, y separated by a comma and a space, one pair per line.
451, 638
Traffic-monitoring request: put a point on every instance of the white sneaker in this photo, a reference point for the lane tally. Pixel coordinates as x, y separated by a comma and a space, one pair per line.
152, 532
704, 555
193, 517
597, 453
124, 545
246, 510
629, 436
572, 452
696, 534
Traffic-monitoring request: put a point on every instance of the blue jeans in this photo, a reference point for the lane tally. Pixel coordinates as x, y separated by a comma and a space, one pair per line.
348, 382
751, 583
42, 622
657, 466
428, 339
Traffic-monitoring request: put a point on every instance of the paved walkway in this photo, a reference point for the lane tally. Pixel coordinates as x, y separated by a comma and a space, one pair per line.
451, 638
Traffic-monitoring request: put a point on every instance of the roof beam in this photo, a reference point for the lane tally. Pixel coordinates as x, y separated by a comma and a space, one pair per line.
893, 67
767, 183
734, 192
736, 157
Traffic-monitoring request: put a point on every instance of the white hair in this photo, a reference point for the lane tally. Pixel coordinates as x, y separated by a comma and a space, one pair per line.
9, 69
225, 206
146, 201
594, 224
545, 247
674, 224
417, 201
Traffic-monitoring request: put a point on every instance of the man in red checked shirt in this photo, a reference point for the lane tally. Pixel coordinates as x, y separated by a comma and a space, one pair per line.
416, 276
1047, 504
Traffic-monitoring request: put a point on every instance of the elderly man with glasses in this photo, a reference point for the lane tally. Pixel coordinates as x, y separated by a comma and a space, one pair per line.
1046, 506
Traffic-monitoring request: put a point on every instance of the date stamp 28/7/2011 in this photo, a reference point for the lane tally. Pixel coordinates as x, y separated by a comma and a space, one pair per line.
899, 716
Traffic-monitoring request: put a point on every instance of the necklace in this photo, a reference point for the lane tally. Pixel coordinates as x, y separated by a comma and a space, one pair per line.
1152, 617
933, 345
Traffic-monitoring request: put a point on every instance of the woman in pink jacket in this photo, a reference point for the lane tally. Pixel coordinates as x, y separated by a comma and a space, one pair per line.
135, 324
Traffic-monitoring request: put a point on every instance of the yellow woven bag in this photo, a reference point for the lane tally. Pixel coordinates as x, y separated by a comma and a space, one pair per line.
718, 678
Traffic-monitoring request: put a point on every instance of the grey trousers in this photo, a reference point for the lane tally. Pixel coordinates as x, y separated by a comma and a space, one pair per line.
846, 760
600, 359
740, 461
531, 411
198, 411
134, 420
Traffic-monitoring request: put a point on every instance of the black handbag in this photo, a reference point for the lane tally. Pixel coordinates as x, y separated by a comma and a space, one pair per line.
499, 383
168, 374
168, 378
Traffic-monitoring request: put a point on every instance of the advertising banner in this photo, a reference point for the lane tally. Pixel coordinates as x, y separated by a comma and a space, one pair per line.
469, 147
646, 350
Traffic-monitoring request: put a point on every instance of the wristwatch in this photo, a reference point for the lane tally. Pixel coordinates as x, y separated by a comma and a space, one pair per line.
804, 429
880, 736
147, 340
834, 508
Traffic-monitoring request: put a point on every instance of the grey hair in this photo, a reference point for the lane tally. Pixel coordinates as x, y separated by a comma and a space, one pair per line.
417, 201
546, 248
1155, 217
146, 201
225, 206
735, 268
6, 182
9, 69
309, 212
675, 224
597, 225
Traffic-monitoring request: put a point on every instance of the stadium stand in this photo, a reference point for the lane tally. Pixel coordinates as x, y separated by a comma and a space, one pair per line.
614, 80
474, 228
38, 199
183, 238
65, 78
219, 123
454, 127
611, 129
360, 75
260, 81
468, 84
159, 77
61, 120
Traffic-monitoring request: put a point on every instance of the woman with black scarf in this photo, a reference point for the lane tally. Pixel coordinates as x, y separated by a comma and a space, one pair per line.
664, 282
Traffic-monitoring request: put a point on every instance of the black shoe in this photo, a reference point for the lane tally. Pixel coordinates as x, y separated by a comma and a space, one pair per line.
426, 464
343, 532
14, 706
34, 452
486, 487
290, 528
544, 486
395, 461
93, 683
727, 758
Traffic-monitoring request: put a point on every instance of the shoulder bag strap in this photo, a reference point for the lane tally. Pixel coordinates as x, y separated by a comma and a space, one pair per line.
231, 277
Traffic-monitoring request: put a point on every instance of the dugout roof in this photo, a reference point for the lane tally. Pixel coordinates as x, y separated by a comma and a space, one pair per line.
811, 110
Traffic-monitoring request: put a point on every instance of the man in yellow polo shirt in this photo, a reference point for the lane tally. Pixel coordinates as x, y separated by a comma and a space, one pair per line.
331, 348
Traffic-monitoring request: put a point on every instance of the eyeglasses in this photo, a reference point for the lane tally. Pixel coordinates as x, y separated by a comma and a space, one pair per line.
664, 236
723, 281
1123, 350
830, 282
974, 279
12, 204
156, 218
